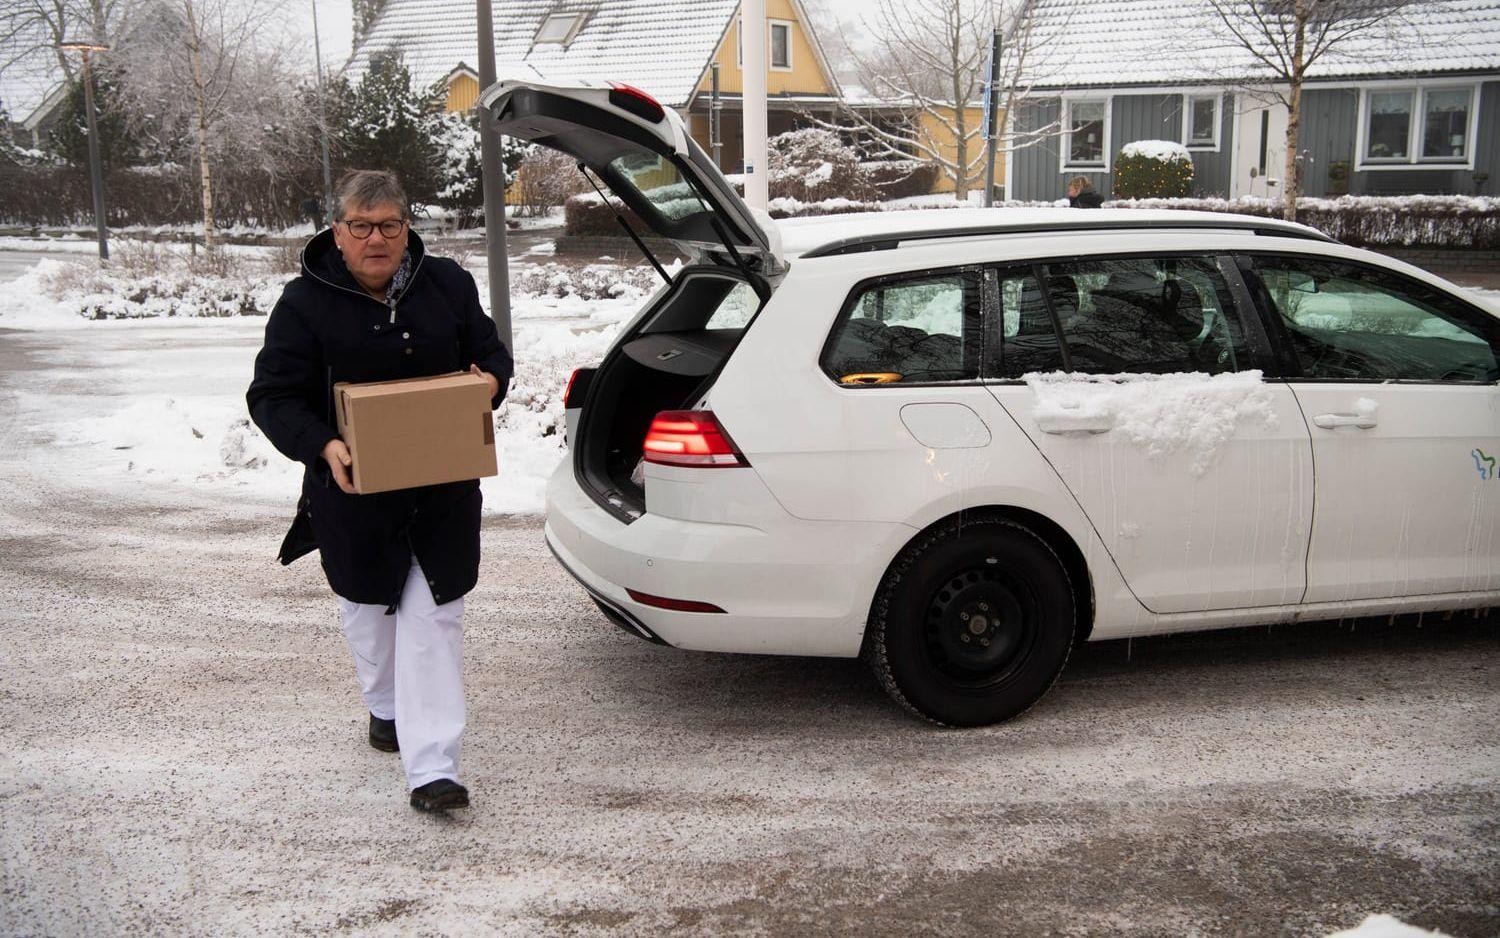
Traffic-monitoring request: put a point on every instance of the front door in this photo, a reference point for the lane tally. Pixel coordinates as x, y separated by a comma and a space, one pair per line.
1259, 147
1136, 378
1397, 381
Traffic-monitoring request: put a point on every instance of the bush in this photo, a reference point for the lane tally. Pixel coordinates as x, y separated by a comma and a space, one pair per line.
812, 164
901, 179
586, 214
1153, 169
1455, 222
584, 281
545, 180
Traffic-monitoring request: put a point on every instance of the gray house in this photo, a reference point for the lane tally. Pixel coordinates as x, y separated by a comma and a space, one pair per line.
1412, 107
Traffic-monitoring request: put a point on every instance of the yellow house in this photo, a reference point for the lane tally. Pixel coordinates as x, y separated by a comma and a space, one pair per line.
672, 49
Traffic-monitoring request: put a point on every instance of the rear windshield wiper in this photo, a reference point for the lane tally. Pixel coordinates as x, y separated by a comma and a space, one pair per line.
626, 225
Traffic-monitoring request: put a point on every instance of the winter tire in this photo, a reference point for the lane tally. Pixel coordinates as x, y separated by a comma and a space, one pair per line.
973, 622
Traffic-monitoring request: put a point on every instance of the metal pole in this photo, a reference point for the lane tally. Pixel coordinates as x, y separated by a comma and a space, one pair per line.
753, 33
715, 118
992, 120
96, 170
322, 119
494, 183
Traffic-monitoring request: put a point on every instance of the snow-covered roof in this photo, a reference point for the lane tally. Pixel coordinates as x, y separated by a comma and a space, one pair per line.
660, 46
801, 235
1094, 43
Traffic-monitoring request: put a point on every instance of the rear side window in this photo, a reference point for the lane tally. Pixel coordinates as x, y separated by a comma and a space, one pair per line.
1146, 316
1354, 323
908, 331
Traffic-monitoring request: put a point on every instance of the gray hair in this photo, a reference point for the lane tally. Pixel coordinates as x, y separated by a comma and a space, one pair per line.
367, 187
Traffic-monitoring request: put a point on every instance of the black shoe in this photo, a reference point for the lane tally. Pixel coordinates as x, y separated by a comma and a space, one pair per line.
383, 734
441, 795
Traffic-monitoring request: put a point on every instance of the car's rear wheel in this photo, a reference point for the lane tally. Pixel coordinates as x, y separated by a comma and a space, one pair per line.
973, 622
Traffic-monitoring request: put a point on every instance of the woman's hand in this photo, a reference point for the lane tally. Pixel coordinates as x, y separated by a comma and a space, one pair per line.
336, 454
494, 381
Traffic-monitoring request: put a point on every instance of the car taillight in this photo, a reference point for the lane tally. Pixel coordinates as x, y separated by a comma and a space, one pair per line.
632, 99
578, 387
690, 438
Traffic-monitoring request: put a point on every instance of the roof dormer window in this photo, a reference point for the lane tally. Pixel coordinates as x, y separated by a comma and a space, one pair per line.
558, 29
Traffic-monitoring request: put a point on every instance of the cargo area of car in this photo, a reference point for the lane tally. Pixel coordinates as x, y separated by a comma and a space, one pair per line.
668, 361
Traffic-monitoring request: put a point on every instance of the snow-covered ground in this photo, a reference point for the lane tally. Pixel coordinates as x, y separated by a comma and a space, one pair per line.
175, 414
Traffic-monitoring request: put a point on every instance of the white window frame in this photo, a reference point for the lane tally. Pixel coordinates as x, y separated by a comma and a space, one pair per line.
1187, 117
1067, 135
739, 45
575, 23
1416, 130
770, 46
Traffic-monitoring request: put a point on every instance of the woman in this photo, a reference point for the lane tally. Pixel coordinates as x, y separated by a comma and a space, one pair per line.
371, 305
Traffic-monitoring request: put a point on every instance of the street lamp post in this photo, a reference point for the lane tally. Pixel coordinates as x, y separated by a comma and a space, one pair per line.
96, 170
322, 120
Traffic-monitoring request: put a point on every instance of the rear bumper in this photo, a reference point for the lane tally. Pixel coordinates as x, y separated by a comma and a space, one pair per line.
787, 586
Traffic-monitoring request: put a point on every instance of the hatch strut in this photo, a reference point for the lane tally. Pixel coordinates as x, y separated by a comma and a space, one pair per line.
626, 225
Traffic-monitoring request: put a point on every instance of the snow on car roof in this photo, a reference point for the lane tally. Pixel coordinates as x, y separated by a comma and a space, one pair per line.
829, 234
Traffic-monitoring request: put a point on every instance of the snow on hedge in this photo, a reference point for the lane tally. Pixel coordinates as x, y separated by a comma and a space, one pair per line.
1192, 412
1385, 926
1165, 151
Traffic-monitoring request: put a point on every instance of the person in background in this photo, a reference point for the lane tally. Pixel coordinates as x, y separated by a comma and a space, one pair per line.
1081, 193
372, 305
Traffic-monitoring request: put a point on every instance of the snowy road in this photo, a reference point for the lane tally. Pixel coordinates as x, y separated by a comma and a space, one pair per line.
182, 748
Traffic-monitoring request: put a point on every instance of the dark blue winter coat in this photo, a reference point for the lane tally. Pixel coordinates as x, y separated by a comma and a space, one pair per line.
326, 329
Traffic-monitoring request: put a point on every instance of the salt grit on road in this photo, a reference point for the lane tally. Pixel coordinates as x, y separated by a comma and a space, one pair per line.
183, 747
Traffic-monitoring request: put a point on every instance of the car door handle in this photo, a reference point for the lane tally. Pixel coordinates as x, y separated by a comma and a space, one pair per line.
1333, 421
1080, 423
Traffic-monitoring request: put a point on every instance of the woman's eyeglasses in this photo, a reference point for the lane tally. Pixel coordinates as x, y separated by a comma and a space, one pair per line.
389, 228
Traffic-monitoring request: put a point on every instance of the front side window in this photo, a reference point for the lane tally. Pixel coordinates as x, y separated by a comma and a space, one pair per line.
1445, 125
917, 330
1202, 114
1389, 122
1085, 125
1146, 316
1352, 323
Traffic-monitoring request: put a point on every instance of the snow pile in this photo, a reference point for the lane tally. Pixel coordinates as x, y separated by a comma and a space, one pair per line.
1193, 412
1385, 926
586, 281
1163, 151
168, 286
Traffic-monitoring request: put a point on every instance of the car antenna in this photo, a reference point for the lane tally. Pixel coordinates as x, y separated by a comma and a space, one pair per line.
626, 225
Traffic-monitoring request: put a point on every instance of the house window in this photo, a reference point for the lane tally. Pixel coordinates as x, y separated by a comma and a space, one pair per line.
558, 28
1445, 124
1086, 123
778, 45
781, 45
1402, 126
1390, 125
1202, 122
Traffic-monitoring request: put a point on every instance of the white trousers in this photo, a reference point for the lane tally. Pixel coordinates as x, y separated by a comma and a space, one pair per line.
410, 668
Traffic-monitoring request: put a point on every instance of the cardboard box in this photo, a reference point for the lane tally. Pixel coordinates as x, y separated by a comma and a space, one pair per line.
417, 431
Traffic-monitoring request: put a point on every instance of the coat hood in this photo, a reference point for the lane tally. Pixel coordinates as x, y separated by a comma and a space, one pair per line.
322, 261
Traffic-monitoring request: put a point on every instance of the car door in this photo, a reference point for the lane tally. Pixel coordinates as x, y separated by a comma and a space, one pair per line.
1397, 381
1137, 378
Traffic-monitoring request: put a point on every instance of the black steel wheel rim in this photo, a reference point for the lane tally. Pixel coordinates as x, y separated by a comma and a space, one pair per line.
980, 626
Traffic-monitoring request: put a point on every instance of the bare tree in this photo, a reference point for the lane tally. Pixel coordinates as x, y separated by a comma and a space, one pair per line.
1279, 41
237, 83
31, 30
929, 59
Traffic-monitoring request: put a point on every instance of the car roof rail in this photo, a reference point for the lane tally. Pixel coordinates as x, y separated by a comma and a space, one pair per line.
890, 240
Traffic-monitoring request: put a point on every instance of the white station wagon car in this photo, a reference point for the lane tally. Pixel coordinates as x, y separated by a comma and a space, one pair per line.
956, 442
